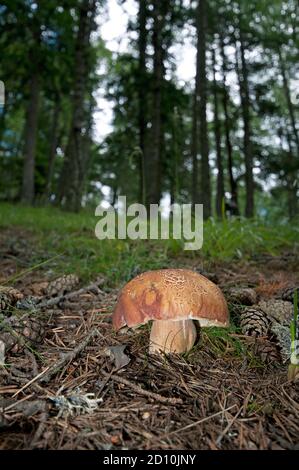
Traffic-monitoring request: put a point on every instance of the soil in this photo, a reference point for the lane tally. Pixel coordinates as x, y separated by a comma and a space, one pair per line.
211, 398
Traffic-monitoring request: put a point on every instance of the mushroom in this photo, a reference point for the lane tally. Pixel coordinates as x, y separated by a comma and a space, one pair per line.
172, 298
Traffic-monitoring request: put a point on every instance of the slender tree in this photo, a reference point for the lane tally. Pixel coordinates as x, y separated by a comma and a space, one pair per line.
217, 134
74, 168
195, 112
142, 94
290, 106
54, 138
227, 131
31, 123
30, 139
153, 152
202, 93
292, 168
175, 156
242, 71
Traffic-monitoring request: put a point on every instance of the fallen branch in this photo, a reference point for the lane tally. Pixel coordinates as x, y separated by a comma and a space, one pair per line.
35, 303
35, 379
94, 287
68, 357
84, 306
18, 379
28, 408
141, 391
46, 375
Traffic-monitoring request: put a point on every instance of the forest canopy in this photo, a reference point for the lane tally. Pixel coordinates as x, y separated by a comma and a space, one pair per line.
227, 138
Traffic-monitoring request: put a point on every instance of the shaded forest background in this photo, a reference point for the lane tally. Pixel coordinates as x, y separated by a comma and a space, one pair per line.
228, 140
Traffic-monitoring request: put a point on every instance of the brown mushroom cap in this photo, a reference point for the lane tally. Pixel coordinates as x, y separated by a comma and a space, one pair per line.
170, 294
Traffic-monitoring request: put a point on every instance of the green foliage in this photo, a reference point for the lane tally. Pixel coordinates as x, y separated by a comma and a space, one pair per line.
72, 238
39, 38
42, 37
240, 238
223, 341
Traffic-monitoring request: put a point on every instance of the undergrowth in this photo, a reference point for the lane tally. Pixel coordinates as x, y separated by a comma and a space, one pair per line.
67, 243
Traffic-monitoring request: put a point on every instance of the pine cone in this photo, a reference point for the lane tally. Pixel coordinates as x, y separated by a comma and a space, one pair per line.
242, 295
8, 297
19, 332
62, 285
288, 293
278, 310
254, 322
266, 351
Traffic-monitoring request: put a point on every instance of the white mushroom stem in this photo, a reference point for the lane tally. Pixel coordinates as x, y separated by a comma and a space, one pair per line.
171, 336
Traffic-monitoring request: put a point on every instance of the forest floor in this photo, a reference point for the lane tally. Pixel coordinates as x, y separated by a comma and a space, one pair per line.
220, 395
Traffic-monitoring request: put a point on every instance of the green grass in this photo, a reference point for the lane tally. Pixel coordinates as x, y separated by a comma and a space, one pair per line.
67, 243
243, 238
222, 342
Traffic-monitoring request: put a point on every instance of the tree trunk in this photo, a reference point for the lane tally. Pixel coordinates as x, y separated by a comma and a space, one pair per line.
53, 146
289, 101
292, 180
232, 182
195, 112
203, 128
290, 166
175, 156
74, 167
114, 190
142, 95
27, 195
87, 147
245, 106
153, 152
217, 134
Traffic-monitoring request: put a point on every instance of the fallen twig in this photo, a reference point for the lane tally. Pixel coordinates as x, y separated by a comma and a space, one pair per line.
141, 391
191, 425
220, 437
69, 356
35, 303
46, 375
61, 298
27, 384
28, 408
